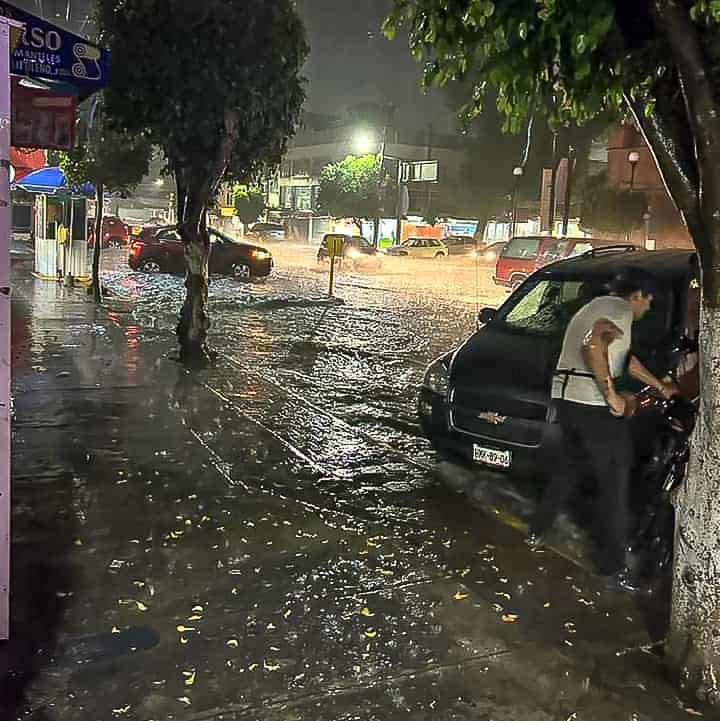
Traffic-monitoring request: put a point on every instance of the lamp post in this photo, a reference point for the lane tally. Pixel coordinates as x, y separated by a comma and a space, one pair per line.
518, 173
363, 144
633, 159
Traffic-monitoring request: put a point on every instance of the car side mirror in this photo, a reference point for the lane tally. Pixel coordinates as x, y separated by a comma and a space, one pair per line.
485, 316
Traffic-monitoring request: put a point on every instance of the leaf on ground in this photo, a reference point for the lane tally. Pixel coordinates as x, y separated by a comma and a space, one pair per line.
233, 643
288, 613
183, 641
371, 633
185, 700
252, 667
271, 666
189, 677
195, 618
367, 612
141, 606
121, 711
509, 617
197, 609
184, 629
460, 596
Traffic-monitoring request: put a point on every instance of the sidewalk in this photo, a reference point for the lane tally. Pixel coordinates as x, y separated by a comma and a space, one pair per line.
173, 560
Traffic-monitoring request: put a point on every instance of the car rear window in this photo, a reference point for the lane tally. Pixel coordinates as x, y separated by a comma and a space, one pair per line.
522, 248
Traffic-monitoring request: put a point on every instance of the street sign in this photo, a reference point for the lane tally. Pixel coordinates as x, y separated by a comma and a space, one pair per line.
48, 52
335, 245
421, 171
228, 212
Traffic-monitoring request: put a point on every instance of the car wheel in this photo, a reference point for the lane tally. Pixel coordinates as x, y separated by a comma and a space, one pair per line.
115, 243
439, 255
241, 271
150, 265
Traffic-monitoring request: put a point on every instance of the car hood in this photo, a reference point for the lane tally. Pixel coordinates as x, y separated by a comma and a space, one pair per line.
496, 362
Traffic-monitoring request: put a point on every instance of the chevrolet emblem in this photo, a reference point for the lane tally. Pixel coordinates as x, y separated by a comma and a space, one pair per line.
491, 417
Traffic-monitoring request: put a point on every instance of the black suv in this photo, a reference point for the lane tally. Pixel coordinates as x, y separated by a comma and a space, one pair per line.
488, 402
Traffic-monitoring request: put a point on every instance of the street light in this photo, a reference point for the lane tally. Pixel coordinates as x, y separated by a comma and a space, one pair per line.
518, 172
633, 159
364, 142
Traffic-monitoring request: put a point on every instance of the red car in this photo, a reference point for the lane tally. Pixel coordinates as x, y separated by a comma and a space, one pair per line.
115, 233
161, 250
519, 258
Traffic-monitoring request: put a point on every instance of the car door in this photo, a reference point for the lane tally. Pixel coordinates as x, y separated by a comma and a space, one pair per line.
420, 248
171, 251
219, 251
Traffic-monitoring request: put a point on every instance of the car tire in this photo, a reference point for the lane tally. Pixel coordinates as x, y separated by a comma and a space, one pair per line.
440, 255
241, 271
115, 243
150, 265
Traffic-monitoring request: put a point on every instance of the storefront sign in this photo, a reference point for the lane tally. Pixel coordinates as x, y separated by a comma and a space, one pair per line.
41, 119
48, 52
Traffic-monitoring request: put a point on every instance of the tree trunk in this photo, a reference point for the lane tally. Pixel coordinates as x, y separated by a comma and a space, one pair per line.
694, 641
100, 203
194, 318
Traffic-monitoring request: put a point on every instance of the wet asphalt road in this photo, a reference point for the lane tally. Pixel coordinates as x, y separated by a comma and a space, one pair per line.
269, 540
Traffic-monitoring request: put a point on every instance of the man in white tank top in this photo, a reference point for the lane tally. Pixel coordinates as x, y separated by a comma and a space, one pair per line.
596, 438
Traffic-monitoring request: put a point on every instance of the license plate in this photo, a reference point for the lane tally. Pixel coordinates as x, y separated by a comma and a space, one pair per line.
492, 457
136, 230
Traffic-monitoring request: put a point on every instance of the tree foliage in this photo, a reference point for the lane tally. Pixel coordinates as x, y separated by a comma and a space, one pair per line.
249, 203
355, 188
114, 159
608, 210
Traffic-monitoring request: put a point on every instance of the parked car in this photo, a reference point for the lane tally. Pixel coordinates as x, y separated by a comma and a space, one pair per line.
488, 403
161, 250
357, 252
115, 233
420, 248
518, 259
462, 244
267, 232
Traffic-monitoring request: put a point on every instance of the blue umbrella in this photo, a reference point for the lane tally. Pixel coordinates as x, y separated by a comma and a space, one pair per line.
50, 181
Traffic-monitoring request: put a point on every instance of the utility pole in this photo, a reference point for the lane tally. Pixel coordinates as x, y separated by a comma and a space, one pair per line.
568, 191
399, 205
553, 181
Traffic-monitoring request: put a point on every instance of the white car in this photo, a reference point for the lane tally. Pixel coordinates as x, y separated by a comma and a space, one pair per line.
420, 248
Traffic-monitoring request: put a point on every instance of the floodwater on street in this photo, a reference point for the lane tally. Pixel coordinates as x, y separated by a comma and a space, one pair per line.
273, 539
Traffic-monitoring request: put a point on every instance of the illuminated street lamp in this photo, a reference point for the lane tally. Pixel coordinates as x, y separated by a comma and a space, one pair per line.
364, 142
633, 159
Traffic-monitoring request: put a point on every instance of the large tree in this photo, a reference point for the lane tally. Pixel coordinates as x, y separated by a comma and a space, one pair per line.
216, 85
356, 188
110, 161
659, 60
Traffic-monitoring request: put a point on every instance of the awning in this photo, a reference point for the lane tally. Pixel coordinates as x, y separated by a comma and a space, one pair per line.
51, 181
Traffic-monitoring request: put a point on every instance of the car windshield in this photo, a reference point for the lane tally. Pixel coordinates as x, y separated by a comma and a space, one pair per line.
216, 237
360, 242
545, 307
519, 248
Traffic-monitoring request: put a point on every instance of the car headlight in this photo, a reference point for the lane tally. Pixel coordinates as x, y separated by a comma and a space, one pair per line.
437, 377
353, 253
261, 254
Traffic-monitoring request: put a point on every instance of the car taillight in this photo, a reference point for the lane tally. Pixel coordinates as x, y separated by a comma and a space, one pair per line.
136, 248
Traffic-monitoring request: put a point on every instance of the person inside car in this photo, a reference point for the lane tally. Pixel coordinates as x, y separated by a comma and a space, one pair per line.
596, 438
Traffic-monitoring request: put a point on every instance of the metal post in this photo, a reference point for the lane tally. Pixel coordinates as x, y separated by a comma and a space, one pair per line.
553, 181
5, 224
332, 275
399, 210
376, 227
568, 191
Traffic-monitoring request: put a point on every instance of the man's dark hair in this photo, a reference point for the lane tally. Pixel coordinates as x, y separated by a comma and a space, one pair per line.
631, 280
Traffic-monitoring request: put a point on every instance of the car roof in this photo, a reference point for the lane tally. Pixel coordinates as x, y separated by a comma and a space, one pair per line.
605, 262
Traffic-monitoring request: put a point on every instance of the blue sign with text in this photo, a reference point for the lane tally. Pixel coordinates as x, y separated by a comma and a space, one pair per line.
50, 53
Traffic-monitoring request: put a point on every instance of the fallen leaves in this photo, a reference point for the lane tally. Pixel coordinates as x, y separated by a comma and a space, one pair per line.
190, 677
509, 617
460, 596
366, 612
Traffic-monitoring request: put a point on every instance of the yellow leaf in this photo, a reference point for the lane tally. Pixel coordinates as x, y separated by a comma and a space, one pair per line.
460, 596
141, 606
288, 613
197, 609
547, 605
371, 634
509, 618
195, 618
115, 629
464, 572
189, 677
271, 667
184, 629
183, 641
367, 612
233, 643
121, 711
252, 667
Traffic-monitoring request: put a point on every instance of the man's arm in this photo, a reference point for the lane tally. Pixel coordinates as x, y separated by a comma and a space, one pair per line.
638, 371
595, 350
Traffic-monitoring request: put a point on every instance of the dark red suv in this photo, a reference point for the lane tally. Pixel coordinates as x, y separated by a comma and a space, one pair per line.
115, 233
161, 250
